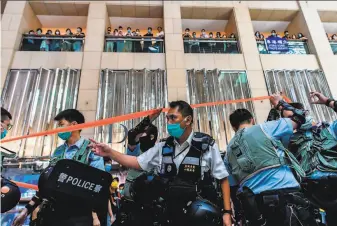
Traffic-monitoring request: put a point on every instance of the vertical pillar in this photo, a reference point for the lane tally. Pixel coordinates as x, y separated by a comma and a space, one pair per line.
174, 51
252, 60
18, 18
94, 44
318, 43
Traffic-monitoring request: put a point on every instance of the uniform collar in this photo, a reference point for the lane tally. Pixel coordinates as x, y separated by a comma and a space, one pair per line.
188, 141
78, 143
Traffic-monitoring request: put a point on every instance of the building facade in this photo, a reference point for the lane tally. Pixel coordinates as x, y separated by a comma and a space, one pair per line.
103, 83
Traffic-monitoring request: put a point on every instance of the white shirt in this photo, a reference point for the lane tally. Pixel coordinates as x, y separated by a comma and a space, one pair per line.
160, 34
211, 160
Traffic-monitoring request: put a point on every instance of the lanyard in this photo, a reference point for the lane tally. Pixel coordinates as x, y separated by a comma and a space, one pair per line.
180, 152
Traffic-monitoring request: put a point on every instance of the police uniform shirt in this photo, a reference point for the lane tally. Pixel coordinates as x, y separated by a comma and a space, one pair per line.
275, 178
94, 160
211, 159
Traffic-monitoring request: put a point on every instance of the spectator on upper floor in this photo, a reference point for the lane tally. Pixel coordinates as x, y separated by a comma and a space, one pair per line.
210, 35
257, 35
160, 33
56, 43
232, 36
219, 46
334, 37
115, 33
286, 35
108, 31
301, 36
77, 45
39, 31
194, 35
46, 42
67, 43
147, 44
262, 36
128, 43
293, 37
120, 31
138, 32
187, 33
203, 34
273, 34
329, 38
29, 44
218, 35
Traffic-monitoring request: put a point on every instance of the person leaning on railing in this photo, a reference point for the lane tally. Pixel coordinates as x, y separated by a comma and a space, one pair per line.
56, 43
29, 44
67, 43
77, 45
137, 44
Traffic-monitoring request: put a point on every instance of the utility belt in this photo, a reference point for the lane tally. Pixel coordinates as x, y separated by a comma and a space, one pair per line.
257, 208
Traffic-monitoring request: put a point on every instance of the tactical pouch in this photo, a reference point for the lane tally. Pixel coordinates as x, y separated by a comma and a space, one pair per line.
181, 190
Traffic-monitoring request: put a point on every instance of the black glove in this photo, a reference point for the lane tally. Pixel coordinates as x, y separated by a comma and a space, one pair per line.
140, 128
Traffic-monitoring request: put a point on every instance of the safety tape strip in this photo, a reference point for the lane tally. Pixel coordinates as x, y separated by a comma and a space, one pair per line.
126, 117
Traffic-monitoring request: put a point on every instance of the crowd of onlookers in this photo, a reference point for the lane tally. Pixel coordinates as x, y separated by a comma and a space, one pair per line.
194, 44
37, 41
286, 35
139, 44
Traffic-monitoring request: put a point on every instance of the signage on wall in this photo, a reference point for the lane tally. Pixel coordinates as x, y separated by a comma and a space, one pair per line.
277, 44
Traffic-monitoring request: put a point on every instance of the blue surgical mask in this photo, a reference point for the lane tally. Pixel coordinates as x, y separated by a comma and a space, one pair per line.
129, 31
65, 135
3, 134
175, 130
108, 167
149, 31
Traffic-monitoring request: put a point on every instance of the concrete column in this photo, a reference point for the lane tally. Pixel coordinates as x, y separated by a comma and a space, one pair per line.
174, 51
18, 18
94, 45
309, 20
252, 60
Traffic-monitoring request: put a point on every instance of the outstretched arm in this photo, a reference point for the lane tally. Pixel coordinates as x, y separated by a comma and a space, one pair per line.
323, 100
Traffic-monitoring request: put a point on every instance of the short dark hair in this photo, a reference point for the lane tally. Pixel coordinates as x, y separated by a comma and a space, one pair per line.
121, 185
79, 28
71, 115
187, 29
149, 28
109, 28
128, 28
273, 31
68, 29
120, 27
297, 105
203, 30
5, 113
39, 29
159, 27
137, 29
286, 32
239, 117
184, 108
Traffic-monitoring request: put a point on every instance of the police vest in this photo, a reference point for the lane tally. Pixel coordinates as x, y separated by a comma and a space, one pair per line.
252, 151
81, 155
190, 168
315, 148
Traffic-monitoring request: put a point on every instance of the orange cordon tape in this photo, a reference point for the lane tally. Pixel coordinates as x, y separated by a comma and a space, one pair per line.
126, 117
25, 185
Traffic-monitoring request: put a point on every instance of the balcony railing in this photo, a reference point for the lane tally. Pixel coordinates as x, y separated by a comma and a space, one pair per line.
207, 45
333, 45
295, 47
64, 43
134, 44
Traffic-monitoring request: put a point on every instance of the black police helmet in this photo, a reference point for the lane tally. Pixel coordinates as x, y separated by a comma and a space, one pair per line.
10, 195
43, 182
203, 213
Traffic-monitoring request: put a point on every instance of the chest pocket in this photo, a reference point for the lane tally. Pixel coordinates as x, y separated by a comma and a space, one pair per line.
242, 155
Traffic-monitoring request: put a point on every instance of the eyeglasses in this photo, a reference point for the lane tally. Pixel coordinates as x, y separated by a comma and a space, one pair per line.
9, 126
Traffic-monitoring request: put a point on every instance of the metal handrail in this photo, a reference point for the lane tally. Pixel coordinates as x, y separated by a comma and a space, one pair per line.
56, 37
210, 40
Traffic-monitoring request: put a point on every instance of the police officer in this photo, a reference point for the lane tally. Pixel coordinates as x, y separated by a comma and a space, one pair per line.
315, 147
182, 160
67, 211
10, 193
268, 190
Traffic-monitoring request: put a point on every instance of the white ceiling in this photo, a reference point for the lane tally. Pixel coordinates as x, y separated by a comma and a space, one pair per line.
268, 26
62, 21
134, 23
208, 25
330, 28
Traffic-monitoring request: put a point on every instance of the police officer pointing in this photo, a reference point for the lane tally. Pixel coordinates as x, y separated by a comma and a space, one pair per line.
180, 159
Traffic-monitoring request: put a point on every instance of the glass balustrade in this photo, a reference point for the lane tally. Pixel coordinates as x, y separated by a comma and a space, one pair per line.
295, 47
134, 44
54, 43
207, 45
333, 45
